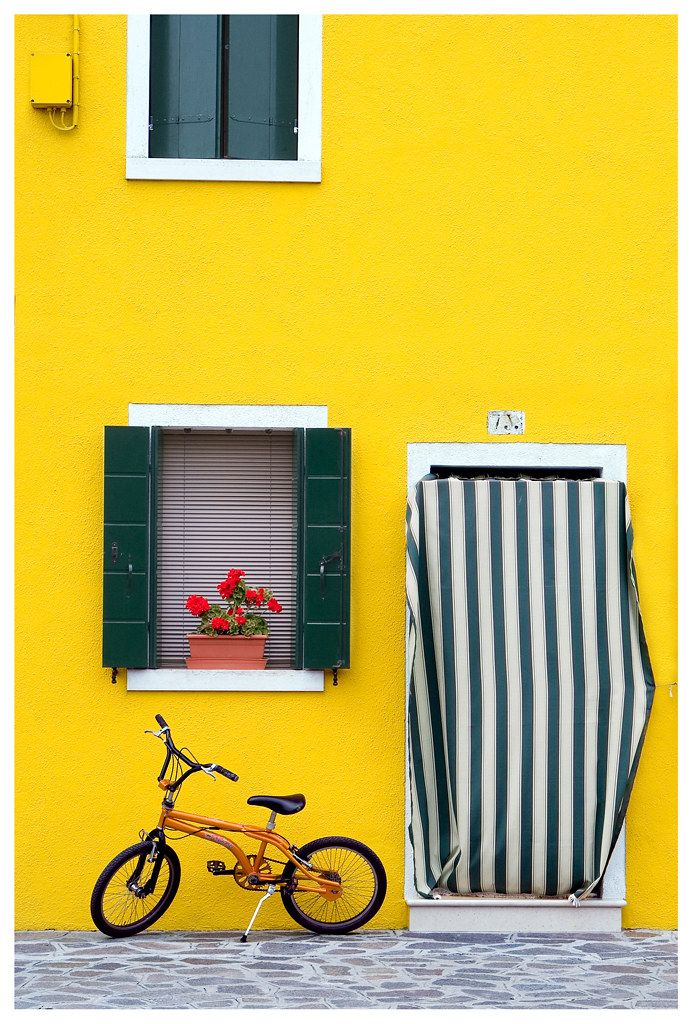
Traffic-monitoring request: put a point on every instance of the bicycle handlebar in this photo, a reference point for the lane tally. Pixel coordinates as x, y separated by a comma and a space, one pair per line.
194, 766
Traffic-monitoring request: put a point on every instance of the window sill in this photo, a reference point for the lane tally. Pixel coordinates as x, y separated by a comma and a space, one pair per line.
267, 680
158, 169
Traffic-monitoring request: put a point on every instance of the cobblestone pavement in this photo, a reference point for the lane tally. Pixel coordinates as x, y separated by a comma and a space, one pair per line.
385, 969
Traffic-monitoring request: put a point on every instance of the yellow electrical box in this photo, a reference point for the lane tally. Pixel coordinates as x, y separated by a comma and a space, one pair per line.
51, 79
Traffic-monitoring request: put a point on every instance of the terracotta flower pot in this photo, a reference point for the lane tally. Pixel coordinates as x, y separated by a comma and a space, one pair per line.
226, 651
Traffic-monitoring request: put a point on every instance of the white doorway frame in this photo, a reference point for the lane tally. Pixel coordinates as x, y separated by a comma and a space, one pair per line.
502, 913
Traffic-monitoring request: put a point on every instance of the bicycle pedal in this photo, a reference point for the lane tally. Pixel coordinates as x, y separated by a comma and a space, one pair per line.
217, 867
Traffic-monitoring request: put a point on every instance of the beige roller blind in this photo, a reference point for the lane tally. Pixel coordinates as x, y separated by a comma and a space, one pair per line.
226, 500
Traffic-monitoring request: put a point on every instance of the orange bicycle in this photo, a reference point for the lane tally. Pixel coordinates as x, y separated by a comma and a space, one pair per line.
330, 886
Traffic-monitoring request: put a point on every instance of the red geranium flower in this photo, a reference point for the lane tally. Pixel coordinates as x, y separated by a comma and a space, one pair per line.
227, 587
197, 605
239, 617
251, 596
260, 595
223, 625
273, 605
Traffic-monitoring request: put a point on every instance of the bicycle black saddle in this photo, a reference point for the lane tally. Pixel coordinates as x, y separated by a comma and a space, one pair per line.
280, 804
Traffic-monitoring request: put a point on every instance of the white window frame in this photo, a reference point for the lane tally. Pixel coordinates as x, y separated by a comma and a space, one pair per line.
501, 913
254, 417
308, 166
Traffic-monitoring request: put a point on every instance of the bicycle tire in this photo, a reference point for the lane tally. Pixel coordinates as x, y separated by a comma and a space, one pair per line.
123, 928
313, 912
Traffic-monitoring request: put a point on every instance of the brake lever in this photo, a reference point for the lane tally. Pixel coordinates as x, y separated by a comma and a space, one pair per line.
209, 771
158, 734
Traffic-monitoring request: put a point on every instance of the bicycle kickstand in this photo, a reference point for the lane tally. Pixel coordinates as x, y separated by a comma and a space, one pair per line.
270, 892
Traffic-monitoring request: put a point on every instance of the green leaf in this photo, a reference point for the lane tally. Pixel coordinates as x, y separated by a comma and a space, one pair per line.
255, 625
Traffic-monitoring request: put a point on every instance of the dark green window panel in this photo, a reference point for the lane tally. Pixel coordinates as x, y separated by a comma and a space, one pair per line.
323, 598
125, 547
324, 548
261, 87
224, 86
321, 540
130, 547
122, 641
325, 498
126, 499
184, 82
127, 450
324, 452
126, 597
324, 645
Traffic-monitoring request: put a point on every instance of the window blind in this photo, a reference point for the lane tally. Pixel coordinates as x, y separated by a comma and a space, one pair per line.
226, 499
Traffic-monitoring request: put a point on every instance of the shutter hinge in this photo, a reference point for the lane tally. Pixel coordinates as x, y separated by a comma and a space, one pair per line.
335, 676
194, 119
114, 675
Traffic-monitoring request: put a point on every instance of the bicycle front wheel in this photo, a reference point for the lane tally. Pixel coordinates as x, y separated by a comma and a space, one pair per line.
128, 897
360, 874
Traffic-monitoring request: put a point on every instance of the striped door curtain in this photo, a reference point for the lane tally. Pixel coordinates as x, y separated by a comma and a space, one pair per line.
530, 685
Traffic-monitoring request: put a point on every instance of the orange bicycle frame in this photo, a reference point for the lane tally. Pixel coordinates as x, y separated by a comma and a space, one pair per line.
307, 880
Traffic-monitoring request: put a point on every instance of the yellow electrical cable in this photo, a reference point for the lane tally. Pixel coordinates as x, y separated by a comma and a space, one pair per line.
63, 127
75, 84
75, 69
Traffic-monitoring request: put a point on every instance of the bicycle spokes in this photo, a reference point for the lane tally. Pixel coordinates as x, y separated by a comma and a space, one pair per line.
132, 894
355, 878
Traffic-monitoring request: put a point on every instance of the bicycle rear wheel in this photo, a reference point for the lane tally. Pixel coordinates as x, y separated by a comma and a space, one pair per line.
359, 871
127, 898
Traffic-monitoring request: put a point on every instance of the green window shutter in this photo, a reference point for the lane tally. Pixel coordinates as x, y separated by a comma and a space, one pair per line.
126, 511
262, 87
184, 84
324, 548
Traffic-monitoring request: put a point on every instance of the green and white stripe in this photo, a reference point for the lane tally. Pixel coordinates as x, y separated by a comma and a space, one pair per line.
530, 682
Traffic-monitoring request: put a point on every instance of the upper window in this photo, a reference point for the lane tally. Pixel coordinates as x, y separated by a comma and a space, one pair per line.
225, 97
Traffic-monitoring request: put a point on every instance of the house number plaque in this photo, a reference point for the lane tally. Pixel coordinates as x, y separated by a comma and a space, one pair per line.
505, 421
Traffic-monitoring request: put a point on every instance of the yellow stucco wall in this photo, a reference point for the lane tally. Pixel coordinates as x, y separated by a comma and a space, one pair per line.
495, 228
